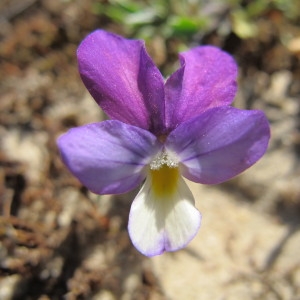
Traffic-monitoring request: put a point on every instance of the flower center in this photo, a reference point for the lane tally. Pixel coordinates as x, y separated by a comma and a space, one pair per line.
164, 173
164, 180
163, 159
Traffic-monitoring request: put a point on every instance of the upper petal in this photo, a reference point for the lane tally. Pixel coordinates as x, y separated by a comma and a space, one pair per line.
163, 218
123, 79
206, 79
108, 157
220, 143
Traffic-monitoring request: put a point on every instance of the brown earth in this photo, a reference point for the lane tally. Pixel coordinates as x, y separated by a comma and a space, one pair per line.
59, 241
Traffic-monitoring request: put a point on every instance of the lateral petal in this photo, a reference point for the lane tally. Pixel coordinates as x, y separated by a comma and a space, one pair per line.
206, 79
220, 143
108, 157
123, 79
161, 222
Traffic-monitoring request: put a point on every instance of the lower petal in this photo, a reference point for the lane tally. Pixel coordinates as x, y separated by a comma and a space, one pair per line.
163, 216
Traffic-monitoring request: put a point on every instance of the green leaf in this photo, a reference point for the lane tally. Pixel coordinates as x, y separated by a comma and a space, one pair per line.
182, 25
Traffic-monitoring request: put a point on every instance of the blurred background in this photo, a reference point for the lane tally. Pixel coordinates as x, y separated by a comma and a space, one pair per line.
59, 241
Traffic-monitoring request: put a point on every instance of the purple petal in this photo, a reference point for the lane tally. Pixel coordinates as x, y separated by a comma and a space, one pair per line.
206, 79
123, 79
108, 157
220, 143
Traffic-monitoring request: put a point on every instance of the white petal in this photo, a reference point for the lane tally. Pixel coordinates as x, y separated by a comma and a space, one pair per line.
161, 222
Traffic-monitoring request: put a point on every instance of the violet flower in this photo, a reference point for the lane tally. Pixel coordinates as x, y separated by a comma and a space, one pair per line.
160, 131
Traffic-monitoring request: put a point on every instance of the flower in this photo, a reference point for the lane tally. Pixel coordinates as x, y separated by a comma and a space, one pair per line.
160, 131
